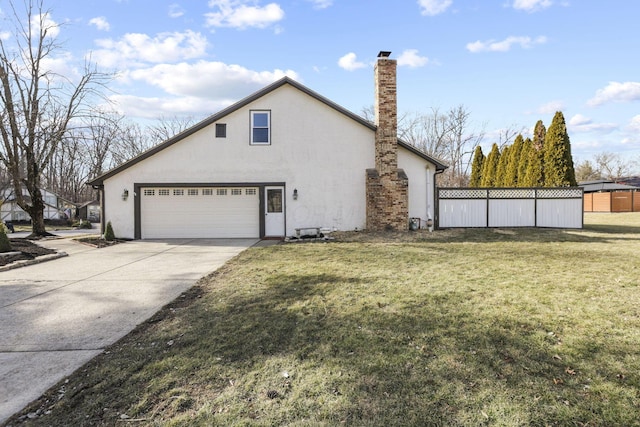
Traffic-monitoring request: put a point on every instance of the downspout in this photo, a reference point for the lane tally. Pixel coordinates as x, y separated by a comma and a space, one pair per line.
100, 188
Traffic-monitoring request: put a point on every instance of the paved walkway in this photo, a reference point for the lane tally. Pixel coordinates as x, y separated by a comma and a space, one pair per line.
56, 316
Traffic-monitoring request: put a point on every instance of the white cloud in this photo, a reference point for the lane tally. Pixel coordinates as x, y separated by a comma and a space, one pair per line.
196, 89
62, 67
136, 49
205, 79
634, 124
531, 5
101, 23
580, 123
156, 107
505, 45
551, 107
239, 14
321, 4
616, 92
175, 11
410, 58
45, 22
434, 7
350, 62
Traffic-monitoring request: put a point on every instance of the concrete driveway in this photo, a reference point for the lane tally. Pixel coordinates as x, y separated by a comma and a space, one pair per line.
56, 316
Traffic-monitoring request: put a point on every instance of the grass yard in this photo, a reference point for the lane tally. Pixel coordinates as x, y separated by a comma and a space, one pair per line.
513, 327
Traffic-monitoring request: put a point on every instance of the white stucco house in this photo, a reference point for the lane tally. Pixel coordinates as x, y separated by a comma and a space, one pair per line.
281, 159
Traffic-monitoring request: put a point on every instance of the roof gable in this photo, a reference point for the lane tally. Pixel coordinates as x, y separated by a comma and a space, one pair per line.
242, 103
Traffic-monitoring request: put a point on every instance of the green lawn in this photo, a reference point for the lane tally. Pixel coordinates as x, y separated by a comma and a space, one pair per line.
516, 327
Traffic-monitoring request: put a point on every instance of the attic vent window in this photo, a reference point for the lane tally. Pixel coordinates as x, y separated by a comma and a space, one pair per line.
260, 127
221, 130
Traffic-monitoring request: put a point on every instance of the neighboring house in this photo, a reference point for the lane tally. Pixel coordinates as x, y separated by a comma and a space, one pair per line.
55, 207
280, 160
631, 180
610, 196
90, 211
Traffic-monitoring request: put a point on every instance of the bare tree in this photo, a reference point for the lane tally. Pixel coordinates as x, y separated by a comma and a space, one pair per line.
430, 133
66, 172
132, 141
507, 136
166, 128
586, 171
612, 166
461, 144
39, 104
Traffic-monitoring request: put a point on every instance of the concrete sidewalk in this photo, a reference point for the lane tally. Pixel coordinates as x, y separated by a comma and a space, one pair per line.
57, 315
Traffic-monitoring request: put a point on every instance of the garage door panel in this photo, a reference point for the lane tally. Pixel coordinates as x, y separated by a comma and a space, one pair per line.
210, 215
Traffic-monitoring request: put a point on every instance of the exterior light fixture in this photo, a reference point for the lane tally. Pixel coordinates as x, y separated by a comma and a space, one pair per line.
295, 194
125, 194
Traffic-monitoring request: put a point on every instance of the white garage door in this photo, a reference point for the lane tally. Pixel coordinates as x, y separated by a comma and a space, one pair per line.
199, 212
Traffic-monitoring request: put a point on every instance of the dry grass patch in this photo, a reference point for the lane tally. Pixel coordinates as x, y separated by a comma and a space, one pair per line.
457, 327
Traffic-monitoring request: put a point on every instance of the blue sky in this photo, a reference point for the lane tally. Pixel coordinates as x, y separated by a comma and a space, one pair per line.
509, 62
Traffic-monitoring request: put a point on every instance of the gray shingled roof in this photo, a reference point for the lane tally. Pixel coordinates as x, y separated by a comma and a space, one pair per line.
604, 185
440, 166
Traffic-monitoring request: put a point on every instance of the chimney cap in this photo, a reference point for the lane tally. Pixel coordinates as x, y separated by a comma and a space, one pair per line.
384, 54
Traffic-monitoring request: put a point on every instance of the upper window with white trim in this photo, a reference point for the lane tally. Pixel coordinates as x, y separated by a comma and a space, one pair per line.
260, 127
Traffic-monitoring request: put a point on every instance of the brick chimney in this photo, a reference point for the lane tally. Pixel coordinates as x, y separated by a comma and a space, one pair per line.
387, 195
386, 115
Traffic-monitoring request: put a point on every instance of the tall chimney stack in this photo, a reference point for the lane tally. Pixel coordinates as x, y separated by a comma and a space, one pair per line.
387, 186
386, 115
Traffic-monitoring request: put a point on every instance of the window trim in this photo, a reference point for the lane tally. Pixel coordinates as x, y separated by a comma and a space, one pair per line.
252, 127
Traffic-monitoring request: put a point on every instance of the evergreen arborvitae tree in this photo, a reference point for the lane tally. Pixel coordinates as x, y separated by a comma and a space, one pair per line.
558, 162
511, 175
539, 133
476, 168
534, 177
502, 167
490, 168
5, 243
109, 236
523, 162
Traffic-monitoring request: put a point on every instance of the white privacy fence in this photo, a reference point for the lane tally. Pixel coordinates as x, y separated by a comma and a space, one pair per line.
510, 207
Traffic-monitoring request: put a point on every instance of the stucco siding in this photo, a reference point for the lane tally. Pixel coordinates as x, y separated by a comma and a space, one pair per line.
421, 176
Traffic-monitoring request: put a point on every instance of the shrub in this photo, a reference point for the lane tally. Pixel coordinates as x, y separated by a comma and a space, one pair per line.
5, 244
82, 224
108, 233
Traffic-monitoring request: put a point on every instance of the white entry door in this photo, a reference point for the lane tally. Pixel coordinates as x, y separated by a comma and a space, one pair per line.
274, 212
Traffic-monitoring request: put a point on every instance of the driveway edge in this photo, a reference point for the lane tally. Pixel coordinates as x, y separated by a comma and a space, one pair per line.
37, 260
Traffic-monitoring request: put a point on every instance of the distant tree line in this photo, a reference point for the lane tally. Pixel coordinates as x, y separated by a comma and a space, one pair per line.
606, 166
544, 161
